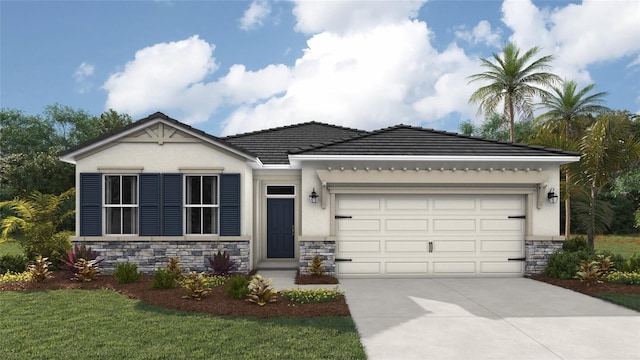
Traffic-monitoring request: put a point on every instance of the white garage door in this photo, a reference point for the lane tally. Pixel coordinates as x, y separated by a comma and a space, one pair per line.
429, 235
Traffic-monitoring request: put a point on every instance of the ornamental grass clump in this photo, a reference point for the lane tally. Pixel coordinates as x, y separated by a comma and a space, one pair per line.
306, 296
39, 269
261, 291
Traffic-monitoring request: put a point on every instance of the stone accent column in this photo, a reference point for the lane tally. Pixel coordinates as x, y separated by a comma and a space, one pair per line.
309, 249
537, 253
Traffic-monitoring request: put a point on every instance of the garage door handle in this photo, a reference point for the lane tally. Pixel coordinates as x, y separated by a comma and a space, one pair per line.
341, 260
518, 217
343, 217
517, 259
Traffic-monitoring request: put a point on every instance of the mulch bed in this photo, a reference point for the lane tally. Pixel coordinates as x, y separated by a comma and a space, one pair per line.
591, 289
311, 279
215, 303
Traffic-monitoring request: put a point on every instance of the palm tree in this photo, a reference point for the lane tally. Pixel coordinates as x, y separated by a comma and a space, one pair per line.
566, 111
608, 147
514, 80
37, 221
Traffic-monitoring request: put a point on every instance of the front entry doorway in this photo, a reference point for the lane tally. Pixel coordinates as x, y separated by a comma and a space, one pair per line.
280, 228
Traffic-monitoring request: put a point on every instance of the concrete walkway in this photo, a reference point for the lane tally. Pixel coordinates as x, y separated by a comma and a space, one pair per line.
462, 318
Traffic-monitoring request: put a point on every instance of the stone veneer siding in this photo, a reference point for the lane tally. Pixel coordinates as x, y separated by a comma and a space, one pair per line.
326, 249
150, 255
537, 253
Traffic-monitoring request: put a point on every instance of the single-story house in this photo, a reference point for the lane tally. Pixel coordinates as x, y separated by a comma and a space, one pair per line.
400, 201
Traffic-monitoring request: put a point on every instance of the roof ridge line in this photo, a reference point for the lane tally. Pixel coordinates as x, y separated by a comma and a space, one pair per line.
291, 126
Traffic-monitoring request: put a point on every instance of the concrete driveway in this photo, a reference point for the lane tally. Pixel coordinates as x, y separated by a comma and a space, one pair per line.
505, 318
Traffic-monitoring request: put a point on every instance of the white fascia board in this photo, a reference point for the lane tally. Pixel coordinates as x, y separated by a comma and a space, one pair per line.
70, 157
274, 166
295, 159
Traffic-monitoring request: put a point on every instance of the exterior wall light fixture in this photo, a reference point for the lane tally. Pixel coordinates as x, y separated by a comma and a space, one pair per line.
552, 196
313, 197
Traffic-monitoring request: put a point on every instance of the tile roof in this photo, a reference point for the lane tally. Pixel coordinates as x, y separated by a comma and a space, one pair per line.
404, 140
272, 146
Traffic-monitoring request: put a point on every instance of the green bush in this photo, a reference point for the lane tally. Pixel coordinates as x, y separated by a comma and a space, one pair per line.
238, 287
617, 260
632, 264
577, 243
164, 279
626, 278
13, 263
564, 264
305, 296
127, 273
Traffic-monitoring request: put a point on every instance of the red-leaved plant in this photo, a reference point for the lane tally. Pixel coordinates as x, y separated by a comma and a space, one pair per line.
79, 252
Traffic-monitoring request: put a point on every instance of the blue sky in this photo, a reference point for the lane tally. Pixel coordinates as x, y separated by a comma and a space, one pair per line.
235, 66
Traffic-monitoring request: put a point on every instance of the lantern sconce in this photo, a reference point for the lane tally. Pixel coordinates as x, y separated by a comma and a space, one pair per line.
313, 197
552, 196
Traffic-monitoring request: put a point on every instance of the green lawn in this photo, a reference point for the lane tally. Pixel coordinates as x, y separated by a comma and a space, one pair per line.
625, 245
81, 324
626, 300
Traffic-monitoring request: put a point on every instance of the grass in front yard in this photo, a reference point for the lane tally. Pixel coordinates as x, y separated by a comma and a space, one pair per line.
10, 247
626, 300
76, 324
625, 245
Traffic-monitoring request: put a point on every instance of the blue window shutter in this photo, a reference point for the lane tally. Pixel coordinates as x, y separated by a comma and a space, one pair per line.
171, 205
90, 204
149, 204
230, 204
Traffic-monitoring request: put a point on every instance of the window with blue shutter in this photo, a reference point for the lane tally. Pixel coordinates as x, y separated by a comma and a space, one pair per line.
90, 204
230, 204
171, 216
150, 205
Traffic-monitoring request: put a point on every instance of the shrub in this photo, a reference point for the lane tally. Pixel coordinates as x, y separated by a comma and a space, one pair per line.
13, 263
625, 278
164, 279
617, 260
577, 243
594, 270
196, 285
174, 267
261, 292
563, 264
221, 263
305, 296
633, 264
316, 268
39, 269
78, 252
86, 270
127, 273
24, 276
238, 287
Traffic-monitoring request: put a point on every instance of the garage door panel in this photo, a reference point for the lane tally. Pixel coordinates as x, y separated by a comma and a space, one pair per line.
454, 267
359, 203
454, 246
501, 246
502, 267
454, 204
358, 268
359, 247
407, 268
502, 225
454, 225
359, 225
407, 246
404, 203
492, 203
406, 225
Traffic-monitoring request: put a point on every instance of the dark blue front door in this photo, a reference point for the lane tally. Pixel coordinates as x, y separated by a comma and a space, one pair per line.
280, 228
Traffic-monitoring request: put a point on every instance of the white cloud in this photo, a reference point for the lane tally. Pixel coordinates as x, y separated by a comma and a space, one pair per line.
81, 75
481, 33
255, 15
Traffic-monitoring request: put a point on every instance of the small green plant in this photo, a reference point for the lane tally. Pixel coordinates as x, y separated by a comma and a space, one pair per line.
164, 279
261, 291
196, 285
305, 296
238, 287
39, 269
78, 252
625, 278
8, 277
86, 270
633, 264
127, 273
221, 263
13, 263
316, 268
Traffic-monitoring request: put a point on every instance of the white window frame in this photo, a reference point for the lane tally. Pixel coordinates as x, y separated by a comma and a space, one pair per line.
282, 196
121, 206
216, 226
